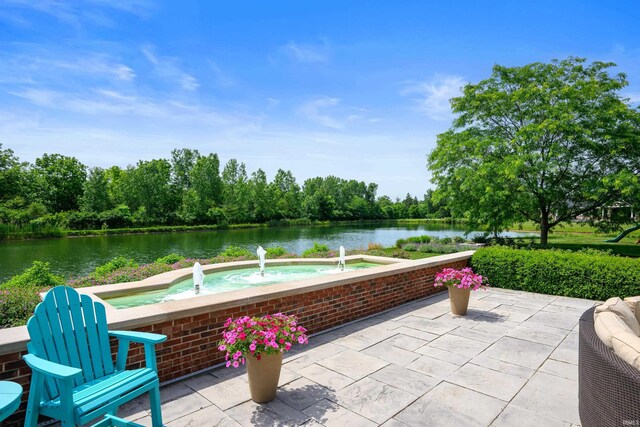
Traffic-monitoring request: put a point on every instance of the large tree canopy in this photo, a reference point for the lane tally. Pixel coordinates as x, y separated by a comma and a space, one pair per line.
542, 142
59, 181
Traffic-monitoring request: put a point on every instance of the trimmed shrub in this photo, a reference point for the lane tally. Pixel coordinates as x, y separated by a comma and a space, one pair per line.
170, 259
556, 272
317, 248
236, 251
113, 265
276, 252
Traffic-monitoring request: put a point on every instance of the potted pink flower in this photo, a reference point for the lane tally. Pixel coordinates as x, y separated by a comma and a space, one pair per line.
260, 342
460, 283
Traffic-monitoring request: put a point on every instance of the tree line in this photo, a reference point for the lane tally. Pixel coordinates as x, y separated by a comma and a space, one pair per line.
190, 188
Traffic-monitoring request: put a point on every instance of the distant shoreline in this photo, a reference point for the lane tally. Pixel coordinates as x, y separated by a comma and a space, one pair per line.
60, 233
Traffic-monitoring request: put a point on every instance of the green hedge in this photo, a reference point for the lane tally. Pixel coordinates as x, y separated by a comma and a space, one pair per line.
556, 272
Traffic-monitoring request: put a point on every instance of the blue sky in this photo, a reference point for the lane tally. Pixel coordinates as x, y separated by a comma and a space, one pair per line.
356, 89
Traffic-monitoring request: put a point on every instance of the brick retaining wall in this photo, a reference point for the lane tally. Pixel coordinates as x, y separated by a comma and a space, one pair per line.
192, 340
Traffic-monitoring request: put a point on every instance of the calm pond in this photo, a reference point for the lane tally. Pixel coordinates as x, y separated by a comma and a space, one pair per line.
73, 257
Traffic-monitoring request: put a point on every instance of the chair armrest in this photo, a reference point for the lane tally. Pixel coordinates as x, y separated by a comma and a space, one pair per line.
52, 369
139, 337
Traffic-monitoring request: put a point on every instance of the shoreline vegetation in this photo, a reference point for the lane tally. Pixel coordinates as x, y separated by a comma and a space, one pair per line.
14, 233
574, 233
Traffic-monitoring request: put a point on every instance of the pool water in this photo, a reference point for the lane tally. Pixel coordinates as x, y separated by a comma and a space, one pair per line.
232, 280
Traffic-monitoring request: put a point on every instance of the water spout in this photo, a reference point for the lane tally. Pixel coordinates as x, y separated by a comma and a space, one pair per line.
261, 253
198, 277
341, 261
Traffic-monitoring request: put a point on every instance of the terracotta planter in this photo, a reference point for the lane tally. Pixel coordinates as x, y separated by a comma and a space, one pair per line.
264, 375
459, 299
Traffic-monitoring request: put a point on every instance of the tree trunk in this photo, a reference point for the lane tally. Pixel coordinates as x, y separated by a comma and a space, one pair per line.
544, 229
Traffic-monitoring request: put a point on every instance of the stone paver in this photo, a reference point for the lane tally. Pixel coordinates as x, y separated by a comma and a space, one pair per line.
514, 415
397, 376
326, 377
551, 395
391, 354
487, 381
353, 364
451, 405
330, 414
303, 393
274, 413
405, 342
511, 361
454, 344
447, 356
520, 352
434, 367
374, 400
210, 416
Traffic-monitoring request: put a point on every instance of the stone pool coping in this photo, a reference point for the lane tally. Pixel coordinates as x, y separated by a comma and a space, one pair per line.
15, 339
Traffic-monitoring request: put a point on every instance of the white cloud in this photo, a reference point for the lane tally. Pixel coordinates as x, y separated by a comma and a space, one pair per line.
39, 66
75, 14
100, 102
307, 53
634, 97
222, 78
313, 111
272, 103
329, 112
167, 68
98, 65
432, 96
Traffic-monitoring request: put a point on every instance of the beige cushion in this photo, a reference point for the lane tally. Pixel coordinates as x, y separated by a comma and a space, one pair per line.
632, 302
617, 306
607, 324
627, 347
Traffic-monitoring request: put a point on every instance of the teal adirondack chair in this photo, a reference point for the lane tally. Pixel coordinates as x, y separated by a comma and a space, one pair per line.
73, 378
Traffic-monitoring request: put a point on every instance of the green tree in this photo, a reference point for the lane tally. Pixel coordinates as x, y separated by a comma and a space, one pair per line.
148, 190
236, 192
542, 142
261, 197
59, 181
205, 192
95, 197
182, 162
286, 195
13, 175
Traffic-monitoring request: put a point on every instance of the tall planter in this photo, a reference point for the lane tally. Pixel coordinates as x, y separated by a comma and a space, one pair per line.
264, 375
459, 299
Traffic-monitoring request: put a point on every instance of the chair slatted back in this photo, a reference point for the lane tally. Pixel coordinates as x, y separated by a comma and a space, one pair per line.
71, 329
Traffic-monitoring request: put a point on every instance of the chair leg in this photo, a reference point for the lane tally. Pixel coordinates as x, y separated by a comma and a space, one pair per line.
33, 405
154, 402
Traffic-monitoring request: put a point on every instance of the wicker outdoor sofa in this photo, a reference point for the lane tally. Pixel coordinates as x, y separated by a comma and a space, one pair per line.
608, 387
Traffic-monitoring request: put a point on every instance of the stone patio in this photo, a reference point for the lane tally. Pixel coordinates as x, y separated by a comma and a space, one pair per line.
512, 360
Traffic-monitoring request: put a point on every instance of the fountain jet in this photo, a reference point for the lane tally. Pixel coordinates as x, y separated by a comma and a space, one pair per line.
261, 253
341, 261
198, 277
